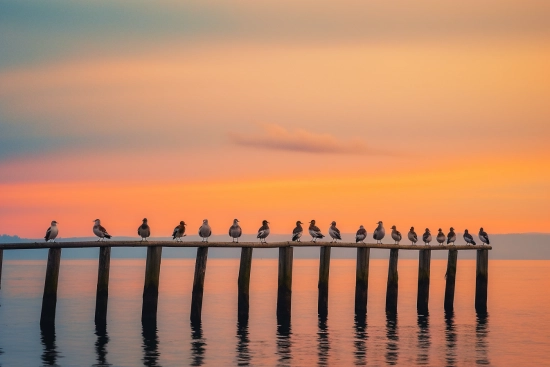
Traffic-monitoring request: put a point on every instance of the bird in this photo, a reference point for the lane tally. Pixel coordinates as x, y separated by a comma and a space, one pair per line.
396, 235
144, 231
52, 232
314, 231
483, 236
427, 237
179, 231
235, 230
412, 236
334, 232
451, 236
361, 234
100, 231
440, 237
297, 232
205, 231
263, 232
468, 238
379, 233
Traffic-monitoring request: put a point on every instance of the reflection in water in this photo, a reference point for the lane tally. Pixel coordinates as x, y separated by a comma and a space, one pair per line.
150, 344
423, 339
323, 344
100, 344
360, 341
392, 347
482, 330
243, 352
197, 344
50, 354
284, 344
450, 339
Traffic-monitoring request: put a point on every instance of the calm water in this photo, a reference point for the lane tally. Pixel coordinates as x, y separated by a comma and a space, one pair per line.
516, 330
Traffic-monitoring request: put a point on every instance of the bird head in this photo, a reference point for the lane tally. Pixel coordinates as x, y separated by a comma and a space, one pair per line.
379, 223
298, 223
182, 223
361, 227
333, 223
235, 221
312, 221
412, 228
452, 229
427, 230
481, 229
393, 227
205, 221
465, 231
97, 221
439, 229
144, 220
265, 222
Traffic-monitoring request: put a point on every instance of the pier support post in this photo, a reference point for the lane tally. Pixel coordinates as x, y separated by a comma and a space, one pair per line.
284, 291
482, 270
1, 260
450, 277
198, 284
151, 285
391, 292
362, 281
49, 299
324, 269
244, 284
102, 292
423, 296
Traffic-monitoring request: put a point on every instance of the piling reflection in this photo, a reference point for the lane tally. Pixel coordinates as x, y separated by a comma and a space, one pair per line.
323, 344
50, 353
150, 344
450, 339
360, 341
284, 344
243, 352
100, 344
198, 344
392, 346
482, 331
424, 342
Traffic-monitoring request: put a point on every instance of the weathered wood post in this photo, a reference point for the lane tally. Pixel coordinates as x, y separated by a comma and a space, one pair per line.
102, 292
1, 261
482, 270
362, 281
244, 284
49, 299
284, 291
391, 292
423, 296
198, 284
151, 285
324, 268
450, 277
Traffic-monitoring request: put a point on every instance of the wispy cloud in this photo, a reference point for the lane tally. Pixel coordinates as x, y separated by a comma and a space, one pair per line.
276, 137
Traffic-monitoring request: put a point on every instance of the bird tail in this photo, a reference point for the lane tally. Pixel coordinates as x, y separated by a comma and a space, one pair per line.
295, 237
473, 242
107, 235
321, 236
488, 241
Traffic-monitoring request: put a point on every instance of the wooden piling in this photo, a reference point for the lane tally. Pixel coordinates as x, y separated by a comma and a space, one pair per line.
198, 284
482, 270
151, 284
324, 269
450, 277
362, 281
1, 261
423, 295
391, 292
49, 299
102, 292
284, 291
244, 284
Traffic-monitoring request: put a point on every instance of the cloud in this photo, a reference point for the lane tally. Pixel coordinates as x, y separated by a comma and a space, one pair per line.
276, 137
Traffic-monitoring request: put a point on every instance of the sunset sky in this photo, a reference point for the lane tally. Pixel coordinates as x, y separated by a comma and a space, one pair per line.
433, 115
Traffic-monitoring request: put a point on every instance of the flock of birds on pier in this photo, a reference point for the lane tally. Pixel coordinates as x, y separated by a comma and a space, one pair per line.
235, 232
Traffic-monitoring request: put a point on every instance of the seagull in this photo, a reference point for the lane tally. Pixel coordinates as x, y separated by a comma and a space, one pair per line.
396, 235
314, 231
100, 231
334, 232
144, 231
379, 233
468, 238
451, 237
263, 232
361, 234
427, 237
412, 236
297, 232
440, 237
483, 236
205, 231
52, 232
179, 232
235, 230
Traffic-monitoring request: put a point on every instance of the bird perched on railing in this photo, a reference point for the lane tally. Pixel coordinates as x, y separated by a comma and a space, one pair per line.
483, 236
297, 232
451, 236
379, 233
205, 231
179, 231
235, 230
468, 238
144, 231
412, 236
263, 232
440, 237
396, 235
427, 237
314, 231
334, 232
52, 232
100, 231
361, 234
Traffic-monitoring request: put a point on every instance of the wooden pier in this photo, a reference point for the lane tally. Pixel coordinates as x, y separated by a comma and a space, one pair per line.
284, 291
